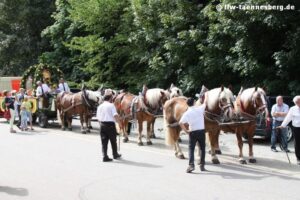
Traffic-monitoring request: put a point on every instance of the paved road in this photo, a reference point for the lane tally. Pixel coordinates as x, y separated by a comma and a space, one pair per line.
49, 164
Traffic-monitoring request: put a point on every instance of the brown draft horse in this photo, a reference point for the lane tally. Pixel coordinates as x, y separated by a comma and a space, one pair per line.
131, 107
154, 100
219, 102
248, 104
81, 103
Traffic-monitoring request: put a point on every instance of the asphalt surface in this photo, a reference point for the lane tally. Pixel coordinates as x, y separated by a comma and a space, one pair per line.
50, 164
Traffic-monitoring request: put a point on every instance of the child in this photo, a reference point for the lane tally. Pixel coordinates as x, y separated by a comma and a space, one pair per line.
23, 114
28, 107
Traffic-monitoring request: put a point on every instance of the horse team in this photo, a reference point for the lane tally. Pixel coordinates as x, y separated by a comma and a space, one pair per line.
224, 112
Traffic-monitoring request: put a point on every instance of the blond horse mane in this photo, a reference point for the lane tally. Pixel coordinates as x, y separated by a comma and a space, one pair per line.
153, 96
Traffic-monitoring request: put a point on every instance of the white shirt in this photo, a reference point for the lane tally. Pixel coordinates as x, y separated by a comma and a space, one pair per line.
194, 116
275, 108
64, 87
39, 91
294, 116
106, 112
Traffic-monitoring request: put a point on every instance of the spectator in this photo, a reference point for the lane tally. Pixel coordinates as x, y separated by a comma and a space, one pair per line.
23, 114
19, 99
294, 116
9, 102
279, 112
28, 106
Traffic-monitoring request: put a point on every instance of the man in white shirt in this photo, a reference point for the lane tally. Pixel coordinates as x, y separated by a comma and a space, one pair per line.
42, 90
278, 112
107, 116
63, 86
194, 119
294, 116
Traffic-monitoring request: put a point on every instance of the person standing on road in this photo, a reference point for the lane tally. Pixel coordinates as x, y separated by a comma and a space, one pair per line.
294, 116
19, 99
24, 118
107, 116
9, 102
279, 112
194, 118
26, 103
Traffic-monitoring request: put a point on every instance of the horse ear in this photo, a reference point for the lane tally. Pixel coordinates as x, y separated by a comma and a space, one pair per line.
241, 90
101, 87
172, 85
255, 88
265, 89
222, 88
83, 86
162, 93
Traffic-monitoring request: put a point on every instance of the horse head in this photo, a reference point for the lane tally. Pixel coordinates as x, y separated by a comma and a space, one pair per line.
253, 100
259, 99
220, 103
94, 98
165, 96
201, 95
226, 100
174, 91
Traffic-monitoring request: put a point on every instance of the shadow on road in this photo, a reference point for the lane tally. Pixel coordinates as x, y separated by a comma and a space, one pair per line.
245, 172
138, 164
14, 191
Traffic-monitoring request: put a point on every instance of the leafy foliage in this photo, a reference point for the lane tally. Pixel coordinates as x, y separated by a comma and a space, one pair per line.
125, 44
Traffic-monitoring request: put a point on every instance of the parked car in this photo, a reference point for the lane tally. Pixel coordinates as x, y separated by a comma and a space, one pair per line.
264, 126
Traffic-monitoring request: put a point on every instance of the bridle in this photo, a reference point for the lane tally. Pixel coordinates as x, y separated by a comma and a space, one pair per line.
90, 103
220, 118
261, 108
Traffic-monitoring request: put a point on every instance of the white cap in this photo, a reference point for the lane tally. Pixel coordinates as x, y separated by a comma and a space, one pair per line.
108, 92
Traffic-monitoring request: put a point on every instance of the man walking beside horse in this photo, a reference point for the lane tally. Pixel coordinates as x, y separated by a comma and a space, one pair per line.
194, 118
107, 116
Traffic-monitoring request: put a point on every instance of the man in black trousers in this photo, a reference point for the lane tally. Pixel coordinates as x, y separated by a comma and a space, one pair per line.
107, 117
194, 119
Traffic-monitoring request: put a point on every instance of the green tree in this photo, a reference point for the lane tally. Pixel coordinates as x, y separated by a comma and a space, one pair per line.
21, 23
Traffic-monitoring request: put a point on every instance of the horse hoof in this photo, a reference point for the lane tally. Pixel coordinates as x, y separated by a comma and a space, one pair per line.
90, 127
125, 140
218, 152
153, 136
88, 131
83, 132
215, 161
140, 143
179, 140
252, 160
149, 143
243, 162
180, 156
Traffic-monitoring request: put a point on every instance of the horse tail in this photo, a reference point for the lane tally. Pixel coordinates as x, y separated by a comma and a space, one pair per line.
172, 133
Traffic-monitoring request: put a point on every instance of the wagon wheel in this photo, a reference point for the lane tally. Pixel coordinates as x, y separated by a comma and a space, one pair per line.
42, 120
